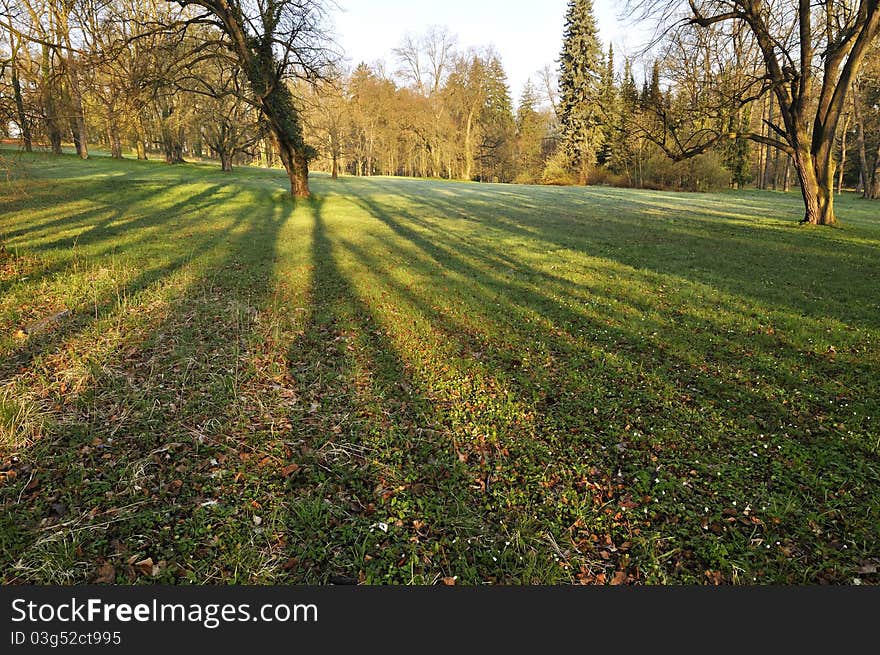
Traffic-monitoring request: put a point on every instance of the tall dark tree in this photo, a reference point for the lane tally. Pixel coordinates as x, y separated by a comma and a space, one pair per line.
274, 41
579, 84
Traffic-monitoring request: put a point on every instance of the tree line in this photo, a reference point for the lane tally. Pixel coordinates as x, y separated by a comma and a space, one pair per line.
733, 93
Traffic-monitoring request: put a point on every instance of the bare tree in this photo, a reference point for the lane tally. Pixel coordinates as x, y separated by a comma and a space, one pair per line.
807, 56
273, 42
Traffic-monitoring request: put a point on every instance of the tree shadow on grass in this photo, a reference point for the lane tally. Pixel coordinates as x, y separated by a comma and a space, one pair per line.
381, 496
129, 466
778, 265
103, 304
670, 386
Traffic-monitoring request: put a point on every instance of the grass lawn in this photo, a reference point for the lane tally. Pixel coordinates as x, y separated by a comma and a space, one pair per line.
203, 381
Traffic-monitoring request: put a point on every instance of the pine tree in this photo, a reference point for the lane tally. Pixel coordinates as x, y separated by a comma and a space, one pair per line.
579, 81
609, 99
531, 131
623, 152
498, 125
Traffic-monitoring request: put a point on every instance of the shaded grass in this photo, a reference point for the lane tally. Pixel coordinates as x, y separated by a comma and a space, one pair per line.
406, 382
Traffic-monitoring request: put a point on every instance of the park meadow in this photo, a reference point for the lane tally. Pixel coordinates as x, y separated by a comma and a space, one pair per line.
319, 293
414, 382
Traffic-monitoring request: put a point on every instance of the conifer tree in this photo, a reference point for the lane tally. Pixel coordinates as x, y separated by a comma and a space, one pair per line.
609, 99
579, 81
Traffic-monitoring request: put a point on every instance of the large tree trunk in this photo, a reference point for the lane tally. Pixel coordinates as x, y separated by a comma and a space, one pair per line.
817, 187
287, 137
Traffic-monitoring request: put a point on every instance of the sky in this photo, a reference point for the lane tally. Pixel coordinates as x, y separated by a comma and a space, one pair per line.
527, 34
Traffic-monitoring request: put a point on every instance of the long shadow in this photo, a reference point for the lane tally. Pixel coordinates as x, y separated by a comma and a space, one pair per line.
128, 458
651, 361
774, 254
364, 438
77, 321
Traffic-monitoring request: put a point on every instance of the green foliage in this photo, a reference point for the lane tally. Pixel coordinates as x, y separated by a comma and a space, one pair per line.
532, 127
557, 171
401, 382
704, 172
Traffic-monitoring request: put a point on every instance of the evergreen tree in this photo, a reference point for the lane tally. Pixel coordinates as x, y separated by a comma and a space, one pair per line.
579, 81
531, 132
609, 99
498, 125
622, 154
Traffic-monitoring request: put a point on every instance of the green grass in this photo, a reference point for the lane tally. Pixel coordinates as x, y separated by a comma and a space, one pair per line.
405, 382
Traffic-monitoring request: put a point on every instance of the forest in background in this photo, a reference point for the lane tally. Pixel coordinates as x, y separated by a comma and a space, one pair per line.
150, 79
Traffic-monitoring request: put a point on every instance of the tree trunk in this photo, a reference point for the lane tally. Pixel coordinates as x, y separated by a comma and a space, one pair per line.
294, 163
226, 161
468, 148
842, 168
141, 139
75, 135
768, 160
53, 131
872, 186
817, 187
864, 173
23, 125
80, 131
335, 170
114, 141
287, 137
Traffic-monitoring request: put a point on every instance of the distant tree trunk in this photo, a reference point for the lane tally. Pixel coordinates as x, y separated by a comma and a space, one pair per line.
776, 169
114, 140
50, 107
141, 138
873, 188
786, 178
768, 160
864, 173
75, 136
80, 131
468, 171
842, 167
335, 168
23, 125
225, 160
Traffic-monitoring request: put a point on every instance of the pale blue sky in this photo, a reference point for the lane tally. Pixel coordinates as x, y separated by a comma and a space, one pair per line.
527, 34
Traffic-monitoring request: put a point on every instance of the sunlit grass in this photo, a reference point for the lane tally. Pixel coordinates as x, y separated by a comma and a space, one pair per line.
405, 382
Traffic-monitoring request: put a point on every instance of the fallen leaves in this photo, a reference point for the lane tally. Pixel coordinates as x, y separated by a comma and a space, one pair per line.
290, 470
106, 574
146, 566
